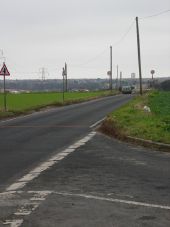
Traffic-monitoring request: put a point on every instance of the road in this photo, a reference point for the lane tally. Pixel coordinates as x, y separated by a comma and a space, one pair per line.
57, 171
28, 140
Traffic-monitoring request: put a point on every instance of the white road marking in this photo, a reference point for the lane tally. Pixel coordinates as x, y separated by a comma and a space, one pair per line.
47, 164
150, 205
13, 223
16, 186
39, 196
27, 208
22, 213
28, 177
97, 123
69, 150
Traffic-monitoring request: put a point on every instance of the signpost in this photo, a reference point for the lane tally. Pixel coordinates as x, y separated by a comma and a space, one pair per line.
152, 72
4, 72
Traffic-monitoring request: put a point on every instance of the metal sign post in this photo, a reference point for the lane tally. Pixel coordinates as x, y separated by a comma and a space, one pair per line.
4, 91
152, 72
4, 72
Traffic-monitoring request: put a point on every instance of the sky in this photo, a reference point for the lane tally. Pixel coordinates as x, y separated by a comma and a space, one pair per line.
38, 34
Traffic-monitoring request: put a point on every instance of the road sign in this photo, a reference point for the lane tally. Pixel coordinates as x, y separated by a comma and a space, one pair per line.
152, 71
109, 73
4, 71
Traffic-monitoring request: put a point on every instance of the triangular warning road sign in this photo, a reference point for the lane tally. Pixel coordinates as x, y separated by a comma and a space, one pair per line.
4, 71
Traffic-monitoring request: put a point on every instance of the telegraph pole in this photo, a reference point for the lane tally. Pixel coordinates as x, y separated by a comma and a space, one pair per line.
117, 77
139, 55
63, 74
120, 81
66, 77
111, 73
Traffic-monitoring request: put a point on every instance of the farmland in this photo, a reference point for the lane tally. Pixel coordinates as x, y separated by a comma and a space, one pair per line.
24, 102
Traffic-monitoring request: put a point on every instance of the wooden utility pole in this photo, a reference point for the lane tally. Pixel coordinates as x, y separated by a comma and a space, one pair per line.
63, 74
139, 55
117, 77
66, 77
120, 82
111, 73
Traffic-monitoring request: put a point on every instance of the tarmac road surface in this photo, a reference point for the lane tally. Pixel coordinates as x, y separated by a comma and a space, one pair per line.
56, 171
25, 141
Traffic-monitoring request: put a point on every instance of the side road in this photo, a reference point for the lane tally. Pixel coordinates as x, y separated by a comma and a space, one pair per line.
96, 182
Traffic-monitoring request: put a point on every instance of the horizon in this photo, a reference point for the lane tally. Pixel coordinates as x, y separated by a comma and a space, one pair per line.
44, 35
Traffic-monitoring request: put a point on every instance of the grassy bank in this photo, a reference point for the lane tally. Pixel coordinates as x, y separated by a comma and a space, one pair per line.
132, 120
26, 102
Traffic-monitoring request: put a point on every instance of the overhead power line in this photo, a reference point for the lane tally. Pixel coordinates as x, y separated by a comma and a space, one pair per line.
155, 15
124, 35
91, 59
106, 49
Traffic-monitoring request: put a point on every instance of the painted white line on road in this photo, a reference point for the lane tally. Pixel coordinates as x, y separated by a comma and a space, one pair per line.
16, 186
22, 213
48, 164
150, 205
28, 177
97, 123
13, 223
70, 149
27, 209
36, 198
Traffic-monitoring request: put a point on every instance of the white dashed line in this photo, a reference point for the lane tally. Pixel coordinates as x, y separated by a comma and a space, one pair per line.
36, 198
47, 164
16, 186
97, 123
27, 209
13, 223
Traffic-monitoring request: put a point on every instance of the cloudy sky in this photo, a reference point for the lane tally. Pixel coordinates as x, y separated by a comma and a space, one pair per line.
46, 33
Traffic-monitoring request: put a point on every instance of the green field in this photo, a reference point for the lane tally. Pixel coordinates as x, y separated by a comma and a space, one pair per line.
132, 120
24, 102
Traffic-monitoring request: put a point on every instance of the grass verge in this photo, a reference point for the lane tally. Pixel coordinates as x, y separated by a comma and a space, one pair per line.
132, 120
18, 104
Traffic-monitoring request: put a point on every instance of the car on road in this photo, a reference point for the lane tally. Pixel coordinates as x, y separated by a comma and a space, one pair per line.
126, 90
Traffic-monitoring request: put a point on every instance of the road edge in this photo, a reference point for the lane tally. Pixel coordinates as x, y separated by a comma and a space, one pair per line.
111, 131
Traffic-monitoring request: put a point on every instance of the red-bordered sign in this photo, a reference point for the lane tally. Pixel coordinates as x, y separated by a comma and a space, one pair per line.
4, 71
